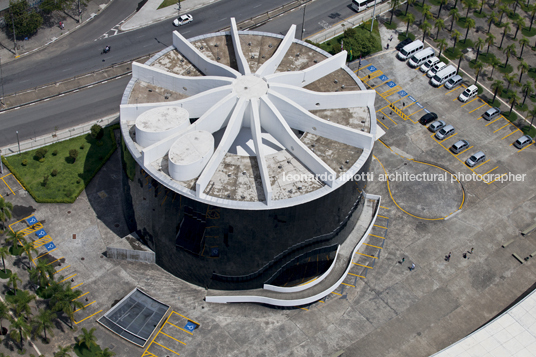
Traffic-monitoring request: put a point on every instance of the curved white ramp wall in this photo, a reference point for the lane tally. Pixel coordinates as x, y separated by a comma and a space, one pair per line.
189, 155
156, 124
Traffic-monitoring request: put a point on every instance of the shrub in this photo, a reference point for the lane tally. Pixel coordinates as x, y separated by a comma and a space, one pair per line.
97, 132
54, 173
73, 154
82, 147
40, 153
78, 180
45, 181
55, 152
24, 162
42, 160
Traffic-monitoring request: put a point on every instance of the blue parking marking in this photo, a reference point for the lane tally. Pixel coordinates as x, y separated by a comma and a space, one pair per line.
31, 220
50, 246
372, 68
419, 105
391, 84
402, 93
412, 99
383, 78
426, 110
41, 233
190, 326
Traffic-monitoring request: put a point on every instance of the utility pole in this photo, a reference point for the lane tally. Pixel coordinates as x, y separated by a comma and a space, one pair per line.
18, 142
1, 164
2, 81
79, 13
373, 13
14, 35
303, 23
179, 2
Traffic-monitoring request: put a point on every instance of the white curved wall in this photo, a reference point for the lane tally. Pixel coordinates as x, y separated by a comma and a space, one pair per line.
157, 124
189, 155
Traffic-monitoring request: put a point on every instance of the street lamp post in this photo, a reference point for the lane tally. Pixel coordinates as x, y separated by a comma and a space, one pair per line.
18, 142
303, 23
179, 2
1, 164
14, 35
79, 13
373, 13
2, 82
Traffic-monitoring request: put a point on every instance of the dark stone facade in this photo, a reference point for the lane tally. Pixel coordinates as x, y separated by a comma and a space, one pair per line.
223, 248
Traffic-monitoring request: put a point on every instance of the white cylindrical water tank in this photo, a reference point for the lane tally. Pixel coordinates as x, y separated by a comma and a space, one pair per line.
189, 154
159, 123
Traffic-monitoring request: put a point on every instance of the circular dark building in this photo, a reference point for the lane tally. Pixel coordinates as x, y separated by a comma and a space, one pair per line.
242, 148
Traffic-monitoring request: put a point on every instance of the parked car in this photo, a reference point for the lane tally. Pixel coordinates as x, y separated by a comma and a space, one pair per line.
445, 132
437, 125
435, 68
428, 64
454, 81
476, 159
491, 113
459, 146
183, 20
468, 93
523, 141
401, 45
428, 118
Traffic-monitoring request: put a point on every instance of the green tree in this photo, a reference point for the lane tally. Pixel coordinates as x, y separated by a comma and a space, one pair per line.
481, 2
503, 9
519, 24
426, 13
13, 281
441, 43
64, 299
514, 99
455, 35
43, 322
408, 3
527, 90
4, 252
47, 6
510, 50
87, 338
22, 18
105, 353
510, 79
495, 63
21, 304
20, 330
4, 313
532, 10
97, 132
410, 18
478, 68
490, 40
28, 249
441, 4
394, 3
454, 13
492, 18
469, 4
63, 351
15, 238
439, 25
523, 68
479, 44
523, 42
468, 24
532, 114
45, 272
506, 29
73, 154
425, 27
5, 211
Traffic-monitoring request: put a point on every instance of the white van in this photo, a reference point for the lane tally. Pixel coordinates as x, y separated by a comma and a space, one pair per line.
442, 76
420, 57
469, 93
454, 81
409, 50
436, 68
428, 64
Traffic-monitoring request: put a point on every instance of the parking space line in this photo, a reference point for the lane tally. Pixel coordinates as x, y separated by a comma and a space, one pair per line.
361, 265
62, 269
87, 317
501, 128
8, 187
491, 122
356, 275
69, 277
469, 148
180, 328
471, 101
333, 292
509, 134
480, 165
373, 235
163, 333
84, 294
382, 124
384, 207
178, 354
477, 108
55, 260
353, 286
389, 118
455, 99
526, 147
373, 246
498, 178
490, 170
382, 217
94, 301
452, 90
379, 84
366, 255
76, 286
440, 142
380, 226
416, 112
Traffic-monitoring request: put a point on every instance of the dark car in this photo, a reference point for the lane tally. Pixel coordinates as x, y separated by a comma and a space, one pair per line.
401, 45
428, 118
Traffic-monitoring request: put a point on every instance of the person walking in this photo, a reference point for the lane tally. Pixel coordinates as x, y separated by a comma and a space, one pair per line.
447, 258
412, 267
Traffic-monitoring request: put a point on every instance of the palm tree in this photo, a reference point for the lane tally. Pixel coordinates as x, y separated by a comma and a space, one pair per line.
469, 4
455, 16
523, 42
495, 62
19, 330
64, 299
442, 43
5, 211
532, 13
522, 67
43, 322
87, 338
441, 3
13, 280
478, 45
514, 99
426, 13
502, 10
15, 238
468, 24
490, 40
455, 35
28, 249
460, 56
506, 30
63, 351
510, 79
409, 2
425, 27
410, 18
492, 18
510, 50
21, 304
4, 313
4, 252
519, 24
439, 25
527, 89
45, 272
105, 353
478, 68
394, 4
533, 114
515, 5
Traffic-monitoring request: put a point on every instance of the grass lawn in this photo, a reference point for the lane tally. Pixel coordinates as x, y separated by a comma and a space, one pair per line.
522, 107
506, 94
462, 45
167, 3
391, 25
452, 53
505, 70
512, 117
362, 33
525, 31
5, 275
495, 104
532, 73
486, 57
71, 178
480, 89
529, 130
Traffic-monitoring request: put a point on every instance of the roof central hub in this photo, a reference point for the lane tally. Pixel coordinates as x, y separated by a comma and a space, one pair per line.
250, 86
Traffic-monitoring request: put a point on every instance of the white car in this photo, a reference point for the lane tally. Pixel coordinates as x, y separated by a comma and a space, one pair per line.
469, 93
183, 20
429, 64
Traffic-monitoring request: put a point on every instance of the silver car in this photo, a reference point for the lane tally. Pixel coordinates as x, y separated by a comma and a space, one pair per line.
476, 159
491, 113
435, 126
523, 141
459, 146
445, 132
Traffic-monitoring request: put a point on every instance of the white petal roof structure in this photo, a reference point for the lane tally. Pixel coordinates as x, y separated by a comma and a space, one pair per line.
282, 123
